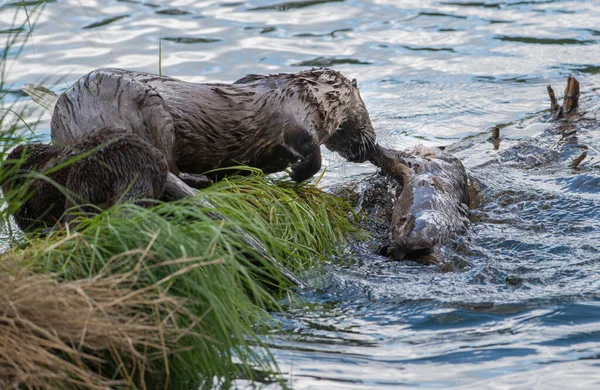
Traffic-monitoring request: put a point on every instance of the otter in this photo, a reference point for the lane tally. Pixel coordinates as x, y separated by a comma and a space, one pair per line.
264, 121
40, 203
432, 206
107, 166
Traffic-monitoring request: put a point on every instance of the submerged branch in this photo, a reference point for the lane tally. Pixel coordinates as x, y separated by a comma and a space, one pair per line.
570, 100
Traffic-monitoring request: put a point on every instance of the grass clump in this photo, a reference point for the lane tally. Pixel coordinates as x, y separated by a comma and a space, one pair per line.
218, 284
76, 334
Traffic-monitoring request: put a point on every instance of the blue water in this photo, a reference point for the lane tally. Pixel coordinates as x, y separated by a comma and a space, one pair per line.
522, 309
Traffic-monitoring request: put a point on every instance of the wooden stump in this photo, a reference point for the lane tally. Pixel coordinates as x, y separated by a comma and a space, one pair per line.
570, 100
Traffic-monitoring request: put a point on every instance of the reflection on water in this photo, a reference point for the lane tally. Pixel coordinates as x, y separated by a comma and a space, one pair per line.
522, 309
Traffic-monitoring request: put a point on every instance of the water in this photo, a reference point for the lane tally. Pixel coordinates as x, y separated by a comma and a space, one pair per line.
522, 310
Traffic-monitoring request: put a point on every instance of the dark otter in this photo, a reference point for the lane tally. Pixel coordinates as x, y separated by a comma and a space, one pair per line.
432, 207
105, 167
268, 122
43, 204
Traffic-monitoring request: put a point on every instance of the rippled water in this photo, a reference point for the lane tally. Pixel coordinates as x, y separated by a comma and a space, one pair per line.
522, 310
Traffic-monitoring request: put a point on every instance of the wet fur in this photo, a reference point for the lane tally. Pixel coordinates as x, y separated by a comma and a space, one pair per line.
116, 167
268, 122
432, 207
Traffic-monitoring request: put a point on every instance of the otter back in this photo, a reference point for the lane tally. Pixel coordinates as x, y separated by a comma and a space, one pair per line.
268, 122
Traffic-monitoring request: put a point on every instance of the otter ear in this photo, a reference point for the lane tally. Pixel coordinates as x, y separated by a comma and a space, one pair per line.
354, 83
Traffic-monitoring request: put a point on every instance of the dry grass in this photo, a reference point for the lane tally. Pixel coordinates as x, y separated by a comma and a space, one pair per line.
94, 333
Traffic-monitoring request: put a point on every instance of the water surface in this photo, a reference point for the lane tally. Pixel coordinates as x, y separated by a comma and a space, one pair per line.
522, 310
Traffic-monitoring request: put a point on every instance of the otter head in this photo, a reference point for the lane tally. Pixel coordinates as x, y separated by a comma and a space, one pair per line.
36, 157
354, 138
35, 202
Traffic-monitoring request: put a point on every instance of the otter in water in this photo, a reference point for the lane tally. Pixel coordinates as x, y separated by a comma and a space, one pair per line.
102, 169
433, 205
268, 122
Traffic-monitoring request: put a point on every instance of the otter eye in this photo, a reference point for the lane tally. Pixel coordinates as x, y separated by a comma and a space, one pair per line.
354, 83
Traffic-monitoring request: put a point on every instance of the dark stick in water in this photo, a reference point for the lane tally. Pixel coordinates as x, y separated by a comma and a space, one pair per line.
570, 101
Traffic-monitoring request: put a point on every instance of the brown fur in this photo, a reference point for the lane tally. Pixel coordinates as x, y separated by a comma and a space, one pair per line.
114, 166
267, 122
432, 207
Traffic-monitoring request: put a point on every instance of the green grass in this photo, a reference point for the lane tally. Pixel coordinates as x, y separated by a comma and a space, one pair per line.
206, 262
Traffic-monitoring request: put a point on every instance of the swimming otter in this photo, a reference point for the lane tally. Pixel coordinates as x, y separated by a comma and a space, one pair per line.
107, 166
268, 122
432, 207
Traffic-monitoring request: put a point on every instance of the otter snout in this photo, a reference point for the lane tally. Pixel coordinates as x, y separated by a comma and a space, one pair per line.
355, 144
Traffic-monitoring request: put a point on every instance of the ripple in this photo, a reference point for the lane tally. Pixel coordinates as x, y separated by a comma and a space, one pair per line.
476, 356
293, 5
105, 22
591, 69
190, 40
441, 15
233, 4
327, 34
172, 12
545, 41
151, 5
474, 4
263, 30
581, 183
27, 3
592, 31
415, 48
331, 61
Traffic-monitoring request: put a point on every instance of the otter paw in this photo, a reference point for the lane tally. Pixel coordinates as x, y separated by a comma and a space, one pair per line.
195, 181
298, 176
308, 167
300, 172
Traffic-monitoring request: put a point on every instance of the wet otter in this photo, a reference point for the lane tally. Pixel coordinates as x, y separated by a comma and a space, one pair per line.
268, 122
432, 207
44, 203
107, 166
415, 205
